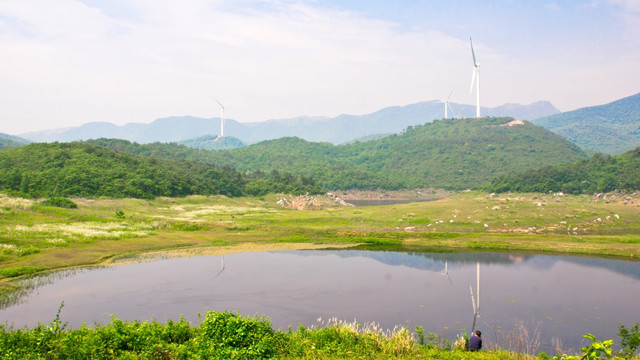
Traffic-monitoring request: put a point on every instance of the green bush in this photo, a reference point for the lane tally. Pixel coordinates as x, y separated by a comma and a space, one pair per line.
20, 270
629, 339
188, 226
226, 335
60, 202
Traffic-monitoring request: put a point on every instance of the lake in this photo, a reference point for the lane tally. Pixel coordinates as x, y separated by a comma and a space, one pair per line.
563, 297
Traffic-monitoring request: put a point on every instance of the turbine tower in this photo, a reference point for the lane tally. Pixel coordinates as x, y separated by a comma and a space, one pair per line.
448, 107
221, 118
475, 299
475, 78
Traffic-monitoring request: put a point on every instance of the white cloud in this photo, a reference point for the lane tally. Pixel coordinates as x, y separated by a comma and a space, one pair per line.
84, 65
71, 62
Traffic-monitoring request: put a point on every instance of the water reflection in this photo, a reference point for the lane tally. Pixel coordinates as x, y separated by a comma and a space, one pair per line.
566, 296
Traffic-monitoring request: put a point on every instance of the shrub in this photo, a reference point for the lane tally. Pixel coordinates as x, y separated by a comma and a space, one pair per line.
228, 335
60, 202
20, 270
629, 339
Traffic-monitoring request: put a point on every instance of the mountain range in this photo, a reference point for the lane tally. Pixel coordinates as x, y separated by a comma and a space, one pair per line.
611, 128
336, 130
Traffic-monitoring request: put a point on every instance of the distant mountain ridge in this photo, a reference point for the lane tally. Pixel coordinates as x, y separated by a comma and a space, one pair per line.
611, 128
10, 141
337, 130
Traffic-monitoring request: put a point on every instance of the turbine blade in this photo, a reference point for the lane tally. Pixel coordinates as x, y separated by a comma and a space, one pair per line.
449, 97
473, 300
216, 100
453, 112
475, 63
221, 269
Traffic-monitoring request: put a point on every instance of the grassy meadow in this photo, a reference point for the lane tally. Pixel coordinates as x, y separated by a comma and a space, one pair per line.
36, 238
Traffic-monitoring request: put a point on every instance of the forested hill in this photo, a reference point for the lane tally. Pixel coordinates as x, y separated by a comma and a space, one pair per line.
281, 155
81, 169
452, 154
9, 141
611, 128
598, 174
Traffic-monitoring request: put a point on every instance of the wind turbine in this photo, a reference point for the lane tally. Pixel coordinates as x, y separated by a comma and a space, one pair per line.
221, 117
446, 271
447, 106
221, 269
475, 78
475, 300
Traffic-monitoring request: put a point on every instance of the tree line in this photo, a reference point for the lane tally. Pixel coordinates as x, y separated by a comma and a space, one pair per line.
87, 170
600, 173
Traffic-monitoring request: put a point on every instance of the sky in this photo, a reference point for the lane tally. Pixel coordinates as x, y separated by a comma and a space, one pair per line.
64, 63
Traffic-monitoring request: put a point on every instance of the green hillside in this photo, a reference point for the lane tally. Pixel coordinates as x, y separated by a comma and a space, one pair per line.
452, 154
597, 174
611, 128
81, 169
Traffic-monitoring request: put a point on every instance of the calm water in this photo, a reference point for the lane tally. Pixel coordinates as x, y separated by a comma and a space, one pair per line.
564, 296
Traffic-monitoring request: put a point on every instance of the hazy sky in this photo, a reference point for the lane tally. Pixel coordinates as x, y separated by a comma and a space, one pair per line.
68, 62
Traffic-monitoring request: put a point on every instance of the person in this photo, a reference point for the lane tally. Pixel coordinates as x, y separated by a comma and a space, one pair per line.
475, 341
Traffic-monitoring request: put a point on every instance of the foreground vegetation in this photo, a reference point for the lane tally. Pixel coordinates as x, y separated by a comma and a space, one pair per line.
225, 335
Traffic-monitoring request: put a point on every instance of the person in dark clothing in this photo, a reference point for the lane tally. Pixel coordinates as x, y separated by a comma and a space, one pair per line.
475, 341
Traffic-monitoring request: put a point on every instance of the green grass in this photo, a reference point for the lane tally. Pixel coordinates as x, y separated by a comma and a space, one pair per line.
33, 236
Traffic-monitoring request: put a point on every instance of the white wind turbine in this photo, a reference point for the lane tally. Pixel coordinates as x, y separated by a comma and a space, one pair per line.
448, 107
446, 271
475, 78
475, 299
221, 117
